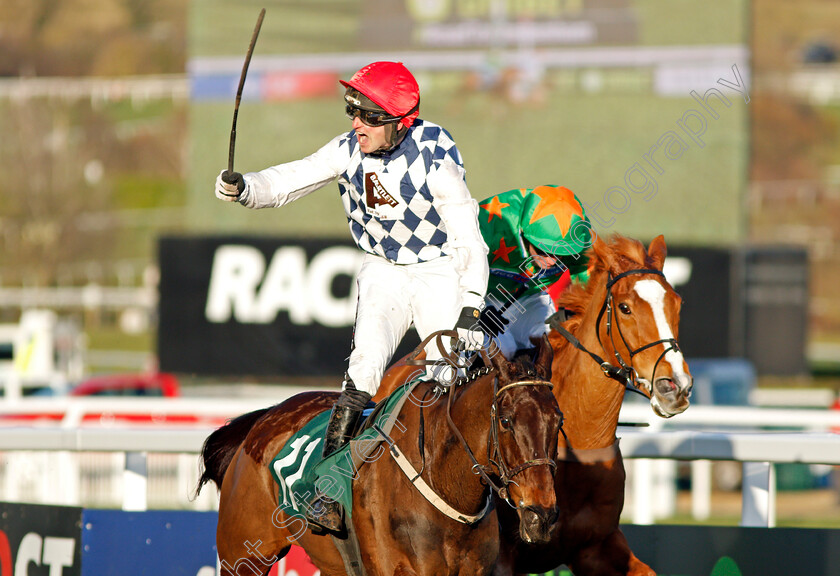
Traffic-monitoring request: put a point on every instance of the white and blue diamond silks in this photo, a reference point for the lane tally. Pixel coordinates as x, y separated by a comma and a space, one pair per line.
405, 228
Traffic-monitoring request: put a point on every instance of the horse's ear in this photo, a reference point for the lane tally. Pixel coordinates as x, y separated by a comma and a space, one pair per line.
545, 356
604, 256
598, 245
657, 251
499, 362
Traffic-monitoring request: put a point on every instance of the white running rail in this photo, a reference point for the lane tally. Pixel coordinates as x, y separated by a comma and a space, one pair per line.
701, 435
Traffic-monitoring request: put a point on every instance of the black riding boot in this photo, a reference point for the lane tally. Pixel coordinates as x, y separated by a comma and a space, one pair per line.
343, 420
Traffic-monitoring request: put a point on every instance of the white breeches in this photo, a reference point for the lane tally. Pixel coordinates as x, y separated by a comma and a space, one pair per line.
391, 297
527, 319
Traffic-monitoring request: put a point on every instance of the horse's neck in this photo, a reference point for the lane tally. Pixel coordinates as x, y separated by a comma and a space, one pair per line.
589, 400
451, 469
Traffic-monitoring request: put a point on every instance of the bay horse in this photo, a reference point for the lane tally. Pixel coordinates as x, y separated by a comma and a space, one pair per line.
622, 333
497, 427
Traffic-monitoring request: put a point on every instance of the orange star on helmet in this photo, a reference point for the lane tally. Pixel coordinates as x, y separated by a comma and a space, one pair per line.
494, 207
559, 202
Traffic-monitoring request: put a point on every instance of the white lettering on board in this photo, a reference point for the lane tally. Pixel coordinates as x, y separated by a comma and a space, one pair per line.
243, 288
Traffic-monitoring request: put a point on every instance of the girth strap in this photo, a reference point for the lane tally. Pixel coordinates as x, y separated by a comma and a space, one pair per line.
350, 552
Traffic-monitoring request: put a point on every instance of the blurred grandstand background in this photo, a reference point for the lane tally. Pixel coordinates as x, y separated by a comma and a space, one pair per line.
116, 116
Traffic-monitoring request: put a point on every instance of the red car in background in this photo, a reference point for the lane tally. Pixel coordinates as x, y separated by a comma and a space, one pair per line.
156, 384
141, 386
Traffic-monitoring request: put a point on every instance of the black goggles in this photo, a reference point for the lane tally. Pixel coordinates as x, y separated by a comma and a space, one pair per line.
371, 117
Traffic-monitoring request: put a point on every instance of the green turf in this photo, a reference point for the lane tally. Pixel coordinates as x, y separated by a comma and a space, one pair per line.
687, 22
565, 134
223, 27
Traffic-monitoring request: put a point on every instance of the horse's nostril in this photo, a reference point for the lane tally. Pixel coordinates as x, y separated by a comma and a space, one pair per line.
537, 522
545, 516
665, 385
553, 514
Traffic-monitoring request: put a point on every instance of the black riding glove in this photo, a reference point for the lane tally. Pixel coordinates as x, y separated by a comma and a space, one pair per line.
492, 321
229, 185
470, 333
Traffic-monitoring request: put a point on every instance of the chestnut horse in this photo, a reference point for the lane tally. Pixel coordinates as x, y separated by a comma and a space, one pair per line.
496, 426
622, 333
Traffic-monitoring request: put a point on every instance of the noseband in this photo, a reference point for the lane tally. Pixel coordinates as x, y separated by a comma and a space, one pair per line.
624, 372
494, 454
506, 473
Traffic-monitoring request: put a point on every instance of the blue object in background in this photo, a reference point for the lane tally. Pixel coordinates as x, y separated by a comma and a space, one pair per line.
722, 381
153, 543
222, 86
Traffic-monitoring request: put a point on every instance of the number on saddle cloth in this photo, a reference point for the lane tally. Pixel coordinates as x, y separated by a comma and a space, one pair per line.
301, 474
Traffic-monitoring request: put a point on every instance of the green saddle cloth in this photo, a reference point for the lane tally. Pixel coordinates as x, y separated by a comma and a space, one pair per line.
300, 472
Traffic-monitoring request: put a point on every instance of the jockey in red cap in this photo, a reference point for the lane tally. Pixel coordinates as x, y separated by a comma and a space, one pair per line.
402, 184
384, 93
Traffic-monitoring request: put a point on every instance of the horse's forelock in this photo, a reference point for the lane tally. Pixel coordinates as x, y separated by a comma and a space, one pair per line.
615, 255
618, 254
628, 253
520, 368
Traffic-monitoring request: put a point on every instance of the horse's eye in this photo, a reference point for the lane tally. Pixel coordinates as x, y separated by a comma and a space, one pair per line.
504, 422
625, 309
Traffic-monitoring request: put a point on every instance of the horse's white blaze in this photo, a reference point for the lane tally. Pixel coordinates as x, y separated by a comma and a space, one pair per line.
653, 293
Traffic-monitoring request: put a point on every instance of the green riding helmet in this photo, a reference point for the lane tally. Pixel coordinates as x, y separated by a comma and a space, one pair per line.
554, 222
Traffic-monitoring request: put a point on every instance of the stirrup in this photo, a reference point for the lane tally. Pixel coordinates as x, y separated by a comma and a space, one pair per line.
331, 516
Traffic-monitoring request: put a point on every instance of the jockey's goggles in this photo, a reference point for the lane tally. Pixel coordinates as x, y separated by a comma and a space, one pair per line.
369, 112
372, 118
538, 251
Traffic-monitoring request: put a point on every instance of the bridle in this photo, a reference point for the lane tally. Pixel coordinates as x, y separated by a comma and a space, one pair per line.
624, 373
506, 473
494, 453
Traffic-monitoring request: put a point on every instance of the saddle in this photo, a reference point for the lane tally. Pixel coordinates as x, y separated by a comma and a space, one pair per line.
299, 470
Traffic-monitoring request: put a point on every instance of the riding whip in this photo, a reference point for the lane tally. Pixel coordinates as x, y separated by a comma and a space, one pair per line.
241, 86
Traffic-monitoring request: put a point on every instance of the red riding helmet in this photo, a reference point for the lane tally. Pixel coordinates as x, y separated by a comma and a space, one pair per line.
391, 86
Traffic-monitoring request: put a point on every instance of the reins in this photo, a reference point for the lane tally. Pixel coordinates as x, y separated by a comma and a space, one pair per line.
506, 473
624, 373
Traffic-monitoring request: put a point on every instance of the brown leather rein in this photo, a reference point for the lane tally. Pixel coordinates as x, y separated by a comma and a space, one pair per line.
494, 454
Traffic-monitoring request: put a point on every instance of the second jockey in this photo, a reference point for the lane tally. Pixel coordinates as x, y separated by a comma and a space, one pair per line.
537, 240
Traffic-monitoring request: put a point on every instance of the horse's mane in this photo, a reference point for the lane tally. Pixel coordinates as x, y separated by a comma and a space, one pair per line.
617, 253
